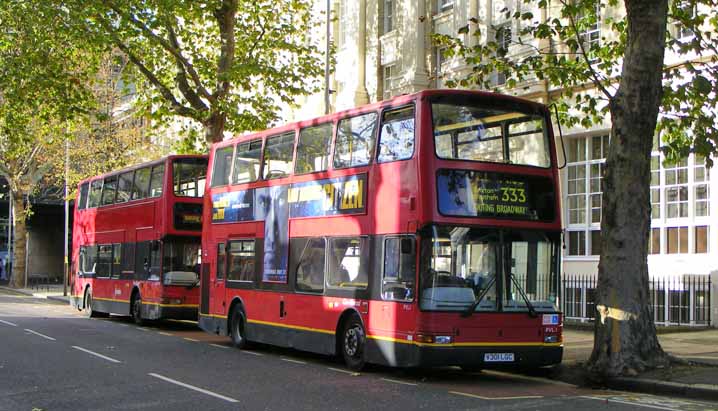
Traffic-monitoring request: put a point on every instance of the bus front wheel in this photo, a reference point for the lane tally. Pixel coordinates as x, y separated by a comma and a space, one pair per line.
236, 328
90, 312
353, 343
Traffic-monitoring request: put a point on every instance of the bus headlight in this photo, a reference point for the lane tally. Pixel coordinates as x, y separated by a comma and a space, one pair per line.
551, 339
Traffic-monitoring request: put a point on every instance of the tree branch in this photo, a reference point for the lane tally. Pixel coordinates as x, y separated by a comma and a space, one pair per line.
225, 18
181, 77
175, 51
594, 75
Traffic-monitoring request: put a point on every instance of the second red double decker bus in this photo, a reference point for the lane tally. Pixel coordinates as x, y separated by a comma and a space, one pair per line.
419, 231
136, 240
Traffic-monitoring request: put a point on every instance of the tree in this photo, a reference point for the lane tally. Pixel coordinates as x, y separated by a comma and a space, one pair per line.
227, 65
621, 74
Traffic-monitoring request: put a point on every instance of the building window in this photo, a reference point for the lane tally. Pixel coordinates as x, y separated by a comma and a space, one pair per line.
576, 243
584, 198
503, 42
441, 59
686, 10
388, 15
677, 190
591, 33
654, 241
388, 73
701, 188
444, 5
677, 240
655, 186
701, 239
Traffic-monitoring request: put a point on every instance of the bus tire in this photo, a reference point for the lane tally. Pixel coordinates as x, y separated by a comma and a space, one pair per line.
136, 309
236, 328
90, 312
353, 343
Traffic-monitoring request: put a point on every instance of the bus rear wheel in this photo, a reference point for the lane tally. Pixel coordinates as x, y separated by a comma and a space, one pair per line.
353, 342
236, 328
136, 310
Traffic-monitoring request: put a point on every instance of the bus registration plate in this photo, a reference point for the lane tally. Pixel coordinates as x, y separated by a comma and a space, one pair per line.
499, 357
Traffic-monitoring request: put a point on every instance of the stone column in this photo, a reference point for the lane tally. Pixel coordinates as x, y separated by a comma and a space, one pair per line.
361, 96
420, 78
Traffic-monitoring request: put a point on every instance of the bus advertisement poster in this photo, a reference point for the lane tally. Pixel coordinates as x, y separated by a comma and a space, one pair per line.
334, 196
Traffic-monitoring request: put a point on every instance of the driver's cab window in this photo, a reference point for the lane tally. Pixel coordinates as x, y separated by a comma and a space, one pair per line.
462, 268
399, 269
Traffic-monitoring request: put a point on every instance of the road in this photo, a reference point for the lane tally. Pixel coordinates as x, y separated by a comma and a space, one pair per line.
52, 358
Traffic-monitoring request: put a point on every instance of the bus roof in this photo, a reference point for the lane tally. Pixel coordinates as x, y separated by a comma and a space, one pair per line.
392, 102
140, 165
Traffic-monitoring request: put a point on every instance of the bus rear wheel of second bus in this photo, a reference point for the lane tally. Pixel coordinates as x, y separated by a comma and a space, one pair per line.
236, 328
353, 342
136, 309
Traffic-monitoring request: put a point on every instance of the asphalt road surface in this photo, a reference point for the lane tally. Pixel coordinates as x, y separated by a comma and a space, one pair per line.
52, 358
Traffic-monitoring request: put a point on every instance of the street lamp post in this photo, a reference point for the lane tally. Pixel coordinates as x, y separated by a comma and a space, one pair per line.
67, 217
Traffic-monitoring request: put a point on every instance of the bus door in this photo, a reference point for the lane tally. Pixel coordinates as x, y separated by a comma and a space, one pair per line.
217, 280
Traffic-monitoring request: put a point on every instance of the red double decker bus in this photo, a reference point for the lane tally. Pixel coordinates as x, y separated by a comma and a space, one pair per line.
136, 240
419, 231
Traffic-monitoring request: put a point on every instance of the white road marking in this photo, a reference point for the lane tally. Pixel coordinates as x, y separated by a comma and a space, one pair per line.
526, 377
219, 346
352, 373
466, 394
104, 357
294, 361
253, 353
8, 323
648, 401
40, 335
400, 382
192, 387
143, 329
191, 339
164, 333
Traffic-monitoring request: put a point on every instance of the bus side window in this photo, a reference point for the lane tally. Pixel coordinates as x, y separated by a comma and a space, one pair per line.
81, 270
313, 149
95, 193
241, 261
347, 268
82, 202
116, 260
155, 260
157, 180
142, 262
222, 166
128, 260
221, 261
396, 141
246, 162
124, 187
310, 269
141, 183
355, 141
108, 190
399, 269
104, 260
278, 152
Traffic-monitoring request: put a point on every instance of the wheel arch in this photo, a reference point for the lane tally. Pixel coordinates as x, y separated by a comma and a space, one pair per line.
343, 318
84, 295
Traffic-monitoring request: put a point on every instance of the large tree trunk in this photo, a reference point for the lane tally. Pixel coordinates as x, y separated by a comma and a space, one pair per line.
625, 335
19, 241
214, 128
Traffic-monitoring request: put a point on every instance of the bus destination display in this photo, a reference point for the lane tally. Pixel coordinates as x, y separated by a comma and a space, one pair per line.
494, 195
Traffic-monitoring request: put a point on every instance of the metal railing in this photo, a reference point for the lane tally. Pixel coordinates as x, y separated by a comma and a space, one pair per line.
682, 300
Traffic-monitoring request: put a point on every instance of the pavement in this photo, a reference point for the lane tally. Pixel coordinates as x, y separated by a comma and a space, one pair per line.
697, 347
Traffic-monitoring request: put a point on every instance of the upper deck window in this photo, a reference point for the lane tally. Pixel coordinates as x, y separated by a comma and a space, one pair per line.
188, 176
124, 187
247, 162
108, 190
95, 193
355, 141
313, 149
141, 184
222, 166
396, 141
156, 182
278, 155
480, 133
84, 189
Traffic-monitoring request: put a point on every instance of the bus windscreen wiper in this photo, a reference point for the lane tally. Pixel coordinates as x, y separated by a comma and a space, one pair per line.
476, 303
532, 311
